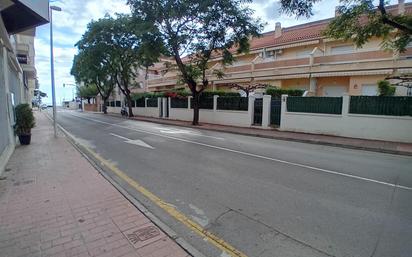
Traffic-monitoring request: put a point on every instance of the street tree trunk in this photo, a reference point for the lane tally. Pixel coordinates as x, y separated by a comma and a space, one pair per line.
105, 105
195, 104
129, 105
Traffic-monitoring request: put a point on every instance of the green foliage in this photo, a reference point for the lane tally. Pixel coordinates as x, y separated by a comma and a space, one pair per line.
359, 21
208, 93
137, 96
198, 29
385, 88
24, 119
87, 92
278, 92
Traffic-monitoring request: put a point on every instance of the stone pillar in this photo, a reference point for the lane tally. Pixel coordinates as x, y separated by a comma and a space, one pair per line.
189, 102
345, 104
215, 102
313, 86
283, 111
266, 111
164, 104
251, 109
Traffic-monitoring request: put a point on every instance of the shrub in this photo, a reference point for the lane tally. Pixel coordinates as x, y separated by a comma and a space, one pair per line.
24, 119
278, 92
211, 93
385, 88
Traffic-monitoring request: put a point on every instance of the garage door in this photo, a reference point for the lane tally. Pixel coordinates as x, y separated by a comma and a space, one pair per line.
334, 91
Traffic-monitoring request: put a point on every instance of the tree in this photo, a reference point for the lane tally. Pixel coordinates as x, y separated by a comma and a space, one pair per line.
195, 31
248, 88
360, 20
385, 88
88, 92
118, 44
91, 67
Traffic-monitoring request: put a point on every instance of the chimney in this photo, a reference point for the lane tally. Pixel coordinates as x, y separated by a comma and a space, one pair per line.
337, 11
401, 6
278, 29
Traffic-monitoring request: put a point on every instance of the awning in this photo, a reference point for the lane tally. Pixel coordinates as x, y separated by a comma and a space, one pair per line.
352, 73
22, 15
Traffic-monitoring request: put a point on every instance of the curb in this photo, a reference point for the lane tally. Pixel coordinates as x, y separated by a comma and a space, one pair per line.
314, 142
165, 228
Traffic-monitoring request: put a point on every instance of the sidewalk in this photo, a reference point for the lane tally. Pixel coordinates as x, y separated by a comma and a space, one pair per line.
54, 203
353, 143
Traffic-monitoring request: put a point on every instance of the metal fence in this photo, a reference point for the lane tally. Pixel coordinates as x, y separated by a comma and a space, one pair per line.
328, 105
152, 102
233, 103
204, 103
381, 105
179, 103
141, 102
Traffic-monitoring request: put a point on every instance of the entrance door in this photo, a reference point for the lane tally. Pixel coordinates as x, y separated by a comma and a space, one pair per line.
275, 111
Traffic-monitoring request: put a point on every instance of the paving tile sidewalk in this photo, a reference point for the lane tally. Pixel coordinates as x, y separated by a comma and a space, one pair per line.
54, 203
371, 145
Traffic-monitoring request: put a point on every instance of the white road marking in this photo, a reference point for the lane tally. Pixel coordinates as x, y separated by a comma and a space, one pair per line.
255, 155
133, 141
183, 131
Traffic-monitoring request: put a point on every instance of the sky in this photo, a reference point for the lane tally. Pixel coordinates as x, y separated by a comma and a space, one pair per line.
71, 23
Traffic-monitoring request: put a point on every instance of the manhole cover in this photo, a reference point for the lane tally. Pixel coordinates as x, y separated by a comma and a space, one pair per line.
142, 236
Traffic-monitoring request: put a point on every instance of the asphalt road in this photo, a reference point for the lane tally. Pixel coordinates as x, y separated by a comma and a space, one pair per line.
264, 197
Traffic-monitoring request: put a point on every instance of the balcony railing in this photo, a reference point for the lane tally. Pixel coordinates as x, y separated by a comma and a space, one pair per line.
299, 65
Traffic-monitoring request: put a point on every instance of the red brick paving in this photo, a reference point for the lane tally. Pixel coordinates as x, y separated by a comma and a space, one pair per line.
54, 203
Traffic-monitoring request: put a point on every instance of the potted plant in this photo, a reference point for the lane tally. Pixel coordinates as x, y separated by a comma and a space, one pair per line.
24, 123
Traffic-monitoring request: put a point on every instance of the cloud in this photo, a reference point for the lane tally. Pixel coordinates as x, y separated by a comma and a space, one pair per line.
68, 27
71, 23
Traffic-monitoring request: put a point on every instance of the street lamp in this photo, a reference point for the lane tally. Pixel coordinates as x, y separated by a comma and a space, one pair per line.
53, 8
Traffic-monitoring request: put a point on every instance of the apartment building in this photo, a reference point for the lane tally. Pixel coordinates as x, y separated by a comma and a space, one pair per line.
299, 57
18, 19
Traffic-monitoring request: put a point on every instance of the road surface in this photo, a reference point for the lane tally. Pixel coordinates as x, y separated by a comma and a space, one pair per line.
261, 196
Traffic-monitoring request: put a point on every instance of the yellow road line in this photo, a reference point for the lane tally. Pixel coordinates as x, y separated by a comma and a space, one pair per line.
170, 209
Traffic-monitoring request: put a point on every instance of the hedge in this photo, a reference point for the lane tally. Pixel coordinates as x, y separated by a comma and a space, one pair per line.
278, 92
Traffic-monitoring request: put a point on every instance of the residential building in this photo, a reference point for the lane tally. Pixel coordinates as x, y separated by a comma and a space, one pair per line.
300, 57
17, 73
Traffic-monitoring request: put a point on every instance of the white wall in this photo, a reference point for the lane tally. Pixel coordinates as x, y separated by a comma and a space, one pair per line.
222, 117
147, 112
378, 127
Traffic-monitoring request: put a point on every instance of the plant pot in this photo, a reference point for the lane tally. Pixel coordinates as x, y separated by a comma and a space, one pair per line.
25, 139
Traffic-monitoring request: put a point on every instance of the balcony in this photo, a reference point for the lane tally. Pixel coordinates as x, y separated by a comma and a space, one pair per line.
22, 15
367, 62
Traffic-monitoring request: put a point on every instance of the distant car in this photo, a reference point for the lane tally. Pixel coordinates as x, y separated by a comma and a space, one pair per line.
49, 105
43, 106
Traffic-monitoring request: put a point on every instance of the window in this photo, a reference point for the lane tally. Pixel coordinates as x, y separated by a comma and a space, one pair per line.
118, 104
369, 89
342, 49
304, 53
268, 54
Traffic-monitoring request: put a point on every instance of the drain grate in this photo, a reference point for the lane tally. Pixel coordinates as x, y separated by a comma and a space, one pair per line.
142, 236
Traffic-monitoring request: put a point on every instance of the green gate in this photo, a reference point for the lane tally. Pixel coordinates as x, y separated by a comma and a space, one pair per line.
257, 115
275, 112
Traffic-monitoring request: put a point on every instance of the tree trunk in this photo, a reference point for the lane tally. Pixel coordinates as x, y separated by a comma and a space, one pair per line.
105, 106
195, 104
88, 100
129, 104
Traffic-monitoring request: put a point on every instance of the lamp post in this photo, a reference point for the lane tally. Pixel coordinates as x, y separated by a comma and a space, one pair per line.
53, 8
